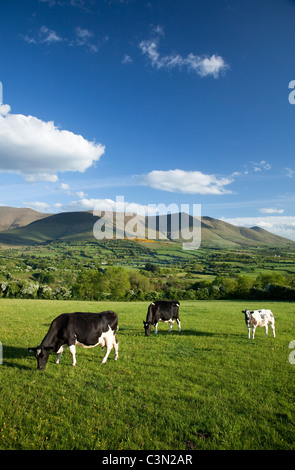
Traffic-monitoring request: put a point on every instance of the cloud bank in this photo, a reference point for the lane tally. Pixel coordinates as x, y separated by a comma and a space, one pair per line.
38, 150
187, 182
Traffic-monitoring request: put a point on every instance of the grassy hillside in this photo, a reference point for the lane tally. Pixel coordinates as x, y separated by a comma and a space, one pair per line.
65, 226
218, 233
208, 387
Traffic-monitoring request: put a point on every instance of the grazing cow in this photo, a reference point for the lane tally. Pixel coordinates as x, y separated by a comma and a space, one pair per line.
166, 311
86, 329
256, 318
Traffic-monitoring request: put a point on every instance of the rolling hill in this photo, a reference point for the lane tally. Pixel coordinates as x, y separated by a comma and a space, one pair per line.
74, 226
14, 217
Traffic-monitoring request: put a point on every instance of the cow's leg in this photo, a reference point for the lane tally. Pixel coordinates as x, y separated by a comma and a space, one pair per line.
109, 348
273, 330
171, 325
249, 333
266, 329
156, 328
73, 352
178, 323
116, 347
253, 331
59, 353
108, 342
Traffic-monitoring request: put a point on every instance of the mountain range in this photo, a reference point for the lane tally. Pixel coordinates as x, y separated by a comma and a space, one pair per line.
26, 227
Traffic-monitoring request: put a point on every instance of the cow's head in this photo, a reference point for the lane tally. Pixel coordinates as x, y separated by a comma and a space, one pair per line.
147, 327
41, 354
248, 314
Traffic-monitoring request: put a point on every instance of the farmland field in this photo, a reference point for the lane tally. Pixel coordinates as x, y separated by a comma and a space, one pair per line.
208, 387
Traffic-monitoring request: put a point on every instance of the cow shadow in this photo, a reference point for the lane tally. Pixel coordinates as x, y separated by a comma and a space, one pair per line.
199, 333
12, 355
184, 333
193, 333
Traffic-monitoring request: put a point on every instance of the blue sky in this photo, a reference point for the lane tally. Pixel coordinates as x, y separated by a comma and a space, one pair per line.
182, 102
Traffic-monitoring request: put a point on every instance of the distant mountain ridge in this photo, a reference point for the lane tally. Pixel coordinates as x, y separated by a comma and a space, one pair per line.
25, 227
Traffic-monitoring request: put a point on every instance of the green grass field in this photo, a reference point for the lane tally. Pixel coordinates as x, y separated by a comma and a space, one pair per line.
208, 387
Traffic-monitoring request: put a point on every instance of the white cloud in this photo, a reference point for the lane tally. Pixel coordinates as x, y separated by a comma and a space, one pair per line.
34, 178
263, 165
45, 35
126, 59
187, 182
38, 150
290, 172
213, 65
38, 206
4, 109
83, 34
83, 37
279, 225
65, 186
201, 65
74, 3
271, 211
80, 194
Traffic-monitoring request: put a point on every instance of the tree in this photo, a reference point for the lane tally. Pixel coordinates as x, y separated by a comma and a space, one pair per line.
139, 282
29, 290
89, 285
225, 285
264, 279
243, 287
116, 282
151, 267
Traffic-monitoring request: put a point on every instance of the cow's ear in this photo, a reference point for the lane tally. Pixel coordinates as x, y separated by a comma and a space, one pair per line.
33, 350
243, 311
252, 311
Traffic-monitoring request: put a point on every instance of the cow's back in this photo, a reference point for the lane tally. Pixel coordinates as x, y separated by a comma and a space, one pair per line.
85, 319
84, 327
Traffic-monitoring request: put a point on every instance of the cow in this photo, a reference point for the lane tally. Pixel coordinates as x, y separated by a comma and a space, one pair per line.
85, 329
254, 318
166, 311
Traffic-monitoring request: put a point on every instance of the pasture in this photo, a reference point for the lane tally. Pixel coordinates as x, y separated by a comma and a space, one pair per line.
208, 387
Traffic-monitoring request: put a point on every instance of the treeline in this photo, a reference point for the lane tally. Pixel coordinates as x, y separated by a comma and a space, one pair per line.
115, 283
273, 286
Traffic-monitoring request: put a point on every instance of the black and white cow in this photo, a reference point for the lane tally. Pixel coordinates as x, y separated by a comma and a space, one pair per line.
254, 318
86, 329
166, 311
